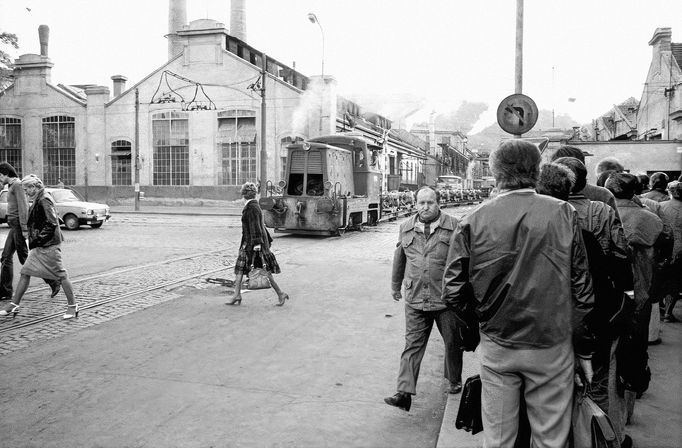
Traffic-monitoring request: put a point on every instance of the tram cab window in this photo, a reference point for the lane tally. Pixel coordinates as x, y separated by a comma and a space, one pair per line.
359, 158
295, 187
315, 185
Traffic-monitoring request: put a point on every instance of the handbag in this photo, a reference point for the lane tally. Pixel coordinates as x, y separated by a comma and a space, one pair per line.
592, 428
258, 277
469, 412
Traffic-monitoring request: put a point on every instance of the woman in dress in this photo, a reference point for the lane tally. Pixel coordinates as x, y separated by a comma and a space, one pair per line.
44, 241
254, 247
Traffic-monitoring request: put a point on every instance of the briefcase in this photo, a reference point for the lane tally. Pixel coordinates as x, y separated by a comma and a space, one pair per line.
469, 413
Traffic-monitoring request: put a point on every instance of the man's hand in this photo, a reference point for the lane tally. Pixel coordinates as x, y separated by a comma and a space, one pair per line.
256, 247
396, 295
25, 234
585, 366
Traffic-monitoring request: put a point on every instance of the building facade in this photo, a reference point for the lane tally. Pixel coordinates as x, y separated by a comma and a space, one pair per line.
195, 127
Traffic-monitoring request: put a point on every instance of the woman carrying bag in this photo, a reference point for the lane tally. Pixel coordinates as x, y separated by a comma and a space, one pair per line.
254, 250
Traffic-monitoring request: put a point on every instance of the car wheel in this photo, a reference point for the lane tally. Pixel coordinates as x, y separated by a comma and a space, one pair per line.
71, 222
97, 225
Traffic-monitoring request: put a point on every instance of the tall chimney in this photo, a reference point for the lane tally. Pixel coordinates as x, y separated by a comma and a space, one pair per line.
119, 84
238, 19
44, 36
177, 18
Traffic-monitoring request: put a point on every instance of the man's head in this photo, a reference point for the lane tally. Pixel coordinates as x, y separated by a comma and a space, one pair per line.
609, 163
555, 180
659, 181
578, 169
675, 189
644, 183
7, 171
603, 177
515, 164
622, 185
569, 151
427, 203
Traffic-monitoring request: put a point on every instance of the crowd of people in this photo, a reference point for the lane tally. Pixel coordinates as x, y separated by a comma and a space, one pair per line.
557, 283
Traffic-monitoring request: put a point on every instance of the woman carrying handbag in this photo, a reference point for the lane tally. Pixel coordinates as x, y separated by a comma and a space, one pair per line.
255, 258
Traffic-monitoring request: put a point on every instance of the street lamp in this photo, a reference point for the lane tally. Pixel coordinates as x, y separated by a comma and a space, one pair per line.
313, 19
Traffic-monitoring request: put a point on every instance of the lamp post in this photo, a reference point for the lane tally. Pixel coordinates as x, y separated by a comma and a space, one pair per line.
313, 19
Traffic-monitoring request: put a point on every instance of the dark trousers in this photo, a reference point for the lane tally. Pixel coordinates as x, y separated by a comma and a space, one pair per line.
15, 242
418, 325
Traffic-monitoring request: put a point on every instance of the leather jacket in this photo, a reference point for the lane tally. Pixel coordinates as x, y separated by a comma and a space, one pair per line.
522, 258
43, 222
418, 263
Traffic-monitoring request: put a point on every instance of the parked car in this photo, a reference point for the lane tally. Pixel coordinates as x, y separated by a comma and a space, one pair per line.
3, 204
72, 209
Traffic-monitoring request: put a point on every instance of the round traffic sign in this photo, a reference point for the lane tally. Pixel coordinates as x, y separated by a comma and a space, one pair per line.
517, 114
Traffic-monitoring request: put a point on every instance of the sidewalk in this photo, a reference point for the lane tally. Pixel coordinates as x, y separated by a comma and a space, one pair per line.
657, 421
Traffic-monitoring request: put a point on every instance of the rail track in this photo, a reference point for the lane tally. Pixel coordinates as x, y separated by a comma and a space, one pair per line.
102, 289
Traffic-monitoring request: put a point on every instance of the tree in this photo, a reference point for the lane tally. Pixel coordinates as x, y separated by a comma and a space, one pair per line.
5, 59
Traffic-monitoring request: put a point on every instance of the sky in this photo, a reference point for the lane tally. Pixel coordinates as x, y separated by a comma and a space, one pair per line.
400, 55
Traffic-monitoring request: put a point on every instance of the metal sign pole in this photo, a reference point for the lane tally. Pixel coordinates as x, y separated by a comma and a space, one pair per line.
518, 78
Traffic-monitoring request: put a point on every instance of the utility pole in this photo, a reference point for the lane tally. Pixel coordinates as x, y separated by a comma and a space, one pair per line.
263, 139
137, 150
518, 69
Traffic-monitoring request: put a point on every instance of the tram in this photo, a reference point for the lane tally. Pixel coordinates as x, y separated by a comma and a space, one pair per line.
332, 183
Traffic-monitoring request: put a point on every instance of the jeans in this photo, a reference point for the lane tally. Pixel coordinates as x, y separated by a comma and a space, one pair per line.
15, 242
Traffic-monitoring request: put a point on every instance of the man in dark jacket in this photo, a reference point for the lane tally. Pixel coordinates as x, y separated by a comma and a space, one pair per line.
418, 265
591, 192
17, 214
671, 214
644, 232
522, 259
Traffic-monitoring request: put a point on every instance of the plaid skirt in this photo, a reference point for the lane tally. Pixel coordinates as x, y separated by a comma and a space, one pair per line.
243, 264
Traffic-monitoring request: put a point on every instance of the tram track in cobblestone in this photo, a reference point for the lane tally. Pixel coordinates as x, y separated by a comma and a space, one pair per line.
48, 312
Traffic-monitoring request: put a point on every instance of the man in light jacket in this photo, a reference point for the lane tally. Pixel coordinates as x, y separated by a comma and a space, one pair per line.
521, 258
418, 265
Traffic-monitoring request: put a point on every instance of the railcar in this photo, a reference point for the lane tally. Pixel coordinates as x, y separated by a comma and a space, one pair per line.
333, 183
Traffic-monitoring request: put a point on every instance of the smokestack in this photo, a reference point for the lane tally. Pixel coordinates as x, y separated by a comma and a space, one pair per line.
119, 84
44, 36
177, 18
238, 19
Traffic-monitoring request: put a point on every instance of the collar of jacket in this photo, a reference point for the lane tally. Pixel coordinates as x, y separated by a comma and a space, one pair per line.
516, 191
627, 203
445, 222
579, 195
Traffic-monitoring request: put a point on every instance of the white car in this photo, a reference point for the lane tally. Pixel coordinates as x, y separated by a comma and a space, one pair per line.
72, 209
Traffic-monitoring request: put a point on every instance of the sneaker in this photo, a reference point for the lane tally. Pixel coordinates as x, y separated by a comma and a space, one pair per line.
669, 318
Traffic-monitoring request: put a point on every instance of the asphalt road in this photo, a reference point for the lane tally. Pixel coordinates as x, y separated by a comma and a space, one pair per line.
183, 369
